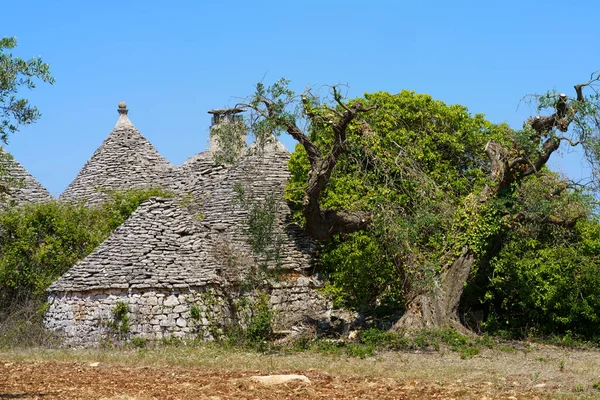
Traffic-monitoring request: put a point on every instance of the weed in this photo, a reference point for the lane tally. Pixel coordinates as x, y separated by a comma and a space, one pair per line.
195, 313
171, 341
562, 365
578, 388
468, 351
507, 349
120, 322
596, 385
359, 350
139, 342
333, 347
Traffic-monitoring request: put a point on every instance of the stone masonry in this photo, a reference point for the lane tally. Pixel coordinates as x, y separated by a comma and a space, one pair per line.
181, 264
22, 187
125, 160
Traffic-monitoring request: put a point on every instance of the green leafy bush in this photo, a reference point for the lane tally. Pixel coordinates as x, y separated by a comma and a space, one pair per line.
260, 321
546, 287
40, 242
411, 168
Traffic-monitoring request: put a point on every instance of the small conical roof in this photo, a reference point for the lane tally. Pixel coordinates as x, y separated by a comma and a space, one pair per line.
161, 246
20, 185
125, 160
262, 172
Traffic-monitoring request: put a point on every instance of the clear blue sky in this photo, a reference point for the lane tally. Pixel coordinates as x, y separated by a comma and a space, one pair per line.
173, 61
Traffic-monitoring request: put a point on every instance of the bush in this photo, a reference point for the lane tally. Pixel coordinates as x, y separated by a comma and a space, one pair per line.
40, 242
260, 324
547, 288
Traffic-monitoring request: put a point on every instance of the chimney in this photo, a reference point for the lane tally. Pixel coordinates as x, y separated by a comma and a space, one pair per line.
225, 116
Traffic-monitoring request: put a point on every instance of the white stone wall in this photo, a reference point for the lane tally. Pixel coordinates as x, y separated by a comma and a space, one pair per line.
294, 301
83, 319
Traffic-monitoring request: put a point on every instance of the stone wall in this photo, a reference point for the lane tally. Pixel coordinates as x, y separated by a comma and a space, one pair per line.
297, 301
87, 319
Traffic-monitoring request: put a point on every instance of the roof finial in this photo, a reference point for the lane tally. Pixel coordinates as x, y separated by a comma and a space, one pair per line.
123, 119
123, 108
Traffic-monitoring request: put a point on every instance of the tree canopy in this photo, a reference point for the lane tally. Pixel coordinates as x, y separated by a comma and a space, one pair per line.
15, 74
413, 198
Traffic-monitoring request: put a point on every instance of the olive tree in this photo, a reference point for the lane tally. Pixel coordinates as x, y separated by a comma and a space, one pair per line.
464, 199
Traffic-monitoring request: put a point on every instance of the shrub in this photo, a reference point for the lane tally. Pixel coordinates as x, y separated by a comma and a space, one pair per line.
40, 242
547, 288
260, 323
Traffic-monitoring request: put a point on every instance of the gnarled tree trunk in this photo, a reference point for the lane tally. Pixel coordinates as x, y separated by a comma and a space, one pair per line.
439, 307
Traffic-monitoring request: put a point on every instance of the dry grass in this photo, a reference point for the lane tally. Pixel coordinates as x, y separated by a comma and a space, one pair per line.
536, 371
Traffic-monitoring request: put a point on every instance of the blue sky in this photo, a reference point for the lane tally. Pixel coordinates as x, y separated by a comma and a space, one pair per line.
173, 61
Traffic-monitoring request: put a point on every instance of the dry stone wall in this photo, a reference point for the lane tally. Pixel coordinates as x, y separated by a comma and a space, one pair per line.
87, 319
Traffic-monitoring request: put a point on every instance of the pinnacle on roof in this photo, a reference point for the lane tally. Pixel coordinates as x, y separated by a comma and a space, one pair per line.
123, 119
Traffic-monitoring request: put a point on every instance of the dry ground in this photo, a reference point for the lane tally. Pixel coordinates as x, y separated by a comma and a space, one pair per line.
534, 372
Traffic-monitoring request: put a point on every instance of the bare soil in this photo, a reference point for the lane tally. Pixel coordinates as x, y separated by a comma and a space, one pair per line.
541, 373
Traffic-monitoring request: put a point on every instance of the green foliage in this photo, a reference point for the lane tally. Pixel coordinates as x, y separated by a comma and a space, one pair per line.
230, 137
139, 342
259, 325
386, 339
544, 282
346, 261
16, 73
261, 222
260, 226
412, 163
538, 270
40, 242
195, 313
120, 322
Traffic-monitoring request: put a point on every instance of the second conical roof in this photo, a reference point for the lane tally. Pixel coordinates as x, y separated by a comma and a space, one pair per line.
125, 160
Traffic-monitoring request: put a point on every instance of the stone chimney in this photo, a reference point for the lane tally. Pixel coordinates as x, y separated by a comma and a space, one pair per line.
225, 116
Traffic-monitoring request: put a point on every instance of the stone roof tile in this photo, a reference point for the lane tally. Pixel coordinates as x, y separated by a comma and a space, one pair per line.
22, 186
125, 160
160, 246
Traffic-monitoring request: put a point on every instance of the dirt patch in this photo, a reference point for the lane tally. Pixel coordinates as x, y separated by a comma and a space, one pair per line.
119, 375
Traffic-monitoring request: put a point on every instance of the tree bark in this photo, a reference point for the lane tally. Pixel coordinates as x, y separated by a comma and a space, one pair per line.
439, 307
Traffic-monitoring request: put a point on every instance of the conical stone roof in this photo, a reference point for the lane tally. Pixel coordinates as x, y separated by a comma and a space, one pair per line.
125, 160
262, 172
21, 186
161, 246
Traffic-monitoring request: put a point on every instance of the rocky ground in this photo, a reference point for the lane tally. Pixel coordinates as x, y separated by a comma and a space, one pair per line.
542, 373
